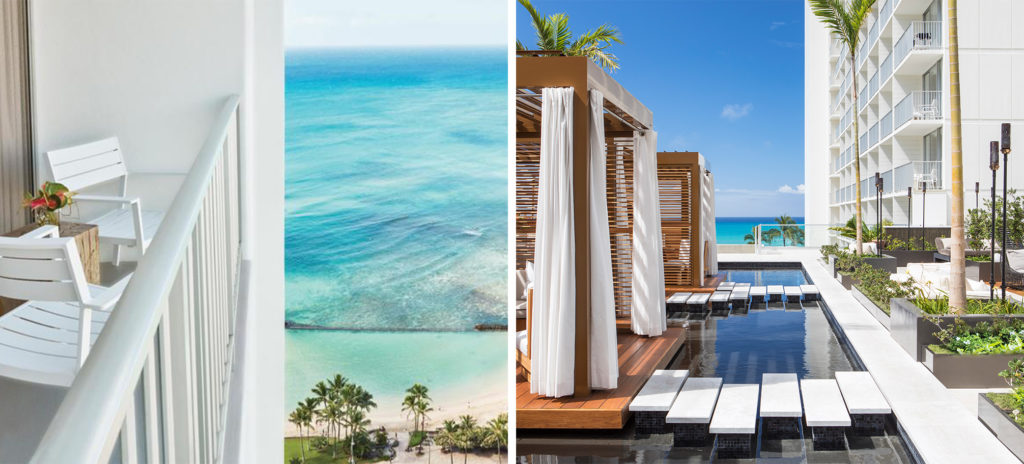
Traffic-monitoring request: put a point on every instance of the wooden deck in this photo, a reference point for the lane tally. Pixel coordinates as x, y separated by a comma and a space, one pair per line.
639, 357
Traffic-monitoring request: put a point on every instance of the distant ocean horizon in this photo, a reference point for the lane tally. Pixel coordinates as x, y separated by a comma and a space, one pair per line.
732, 230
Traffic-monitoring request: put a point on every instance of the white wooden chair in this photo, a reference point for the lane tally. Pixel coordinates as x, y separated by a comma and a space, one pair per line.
46, 339
89, 165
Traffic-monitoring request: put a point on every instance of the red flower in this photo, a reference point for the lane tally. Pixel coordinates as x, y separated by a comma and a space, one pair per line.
37, 203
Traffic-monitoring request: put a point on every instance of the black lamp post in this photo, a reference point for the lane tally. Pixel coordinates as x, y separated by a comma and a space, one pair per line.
993, 164
924, 199
1006, 167
878, 205
977, 190
910, 208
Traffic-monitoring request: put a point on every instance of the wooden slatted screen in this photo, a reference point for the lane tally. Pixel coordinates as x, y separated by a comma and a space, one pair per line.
619, 166
527, 183
675, 188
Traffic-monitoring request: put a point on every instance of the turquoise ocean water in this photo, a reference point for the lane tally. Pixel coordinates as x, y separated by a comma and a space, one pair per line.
396, 216
731, 230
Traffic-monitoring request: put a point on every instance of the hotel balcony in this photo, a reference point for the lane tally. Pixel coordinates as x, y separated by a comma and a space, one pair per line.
918, 113
918, 48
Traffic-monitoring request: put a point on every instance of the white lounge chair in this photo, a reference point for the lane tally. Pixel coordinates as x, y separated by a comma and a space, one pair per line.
932, 279
46, 339
92, 164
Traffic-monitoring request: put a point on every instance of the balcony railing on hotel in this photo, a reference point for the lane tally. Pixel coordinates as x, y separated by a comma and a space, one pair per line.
864, 145
886, 70
921, 35
916, 173
873, 135
886, 127
885, 12
862, 97
920, 105
873, 84
155, 385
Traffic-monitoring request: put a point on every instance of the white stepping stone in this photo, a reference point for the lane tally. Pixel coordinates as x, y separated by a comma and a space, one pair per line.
810, 292
758, 292
861, 394
742, 285
720, 299
679, 298
740, 294
736, 411
823, 403
660, 391
780, 396
698, 300
792, 292
696, 401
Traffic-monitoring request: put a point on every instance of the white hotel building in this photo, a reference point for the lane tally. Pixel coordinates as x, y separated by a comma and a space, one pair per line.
904, 109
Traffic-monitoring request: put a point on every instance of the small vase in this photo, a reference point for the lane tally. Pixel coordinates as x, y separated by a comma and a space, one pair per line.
44, 218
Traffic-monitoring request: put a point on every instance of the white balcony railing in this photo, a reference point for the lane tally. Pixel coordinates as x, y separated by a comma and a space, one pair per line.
921, 35
864, 145
886, 69
873, 135
873, 85
885, 11
170, 336
916, 173
919, 105
886, 127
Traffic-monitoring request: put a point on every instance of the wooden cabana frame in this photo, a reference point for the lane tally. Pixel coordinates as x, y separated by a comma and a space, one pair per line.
681, 193
623, 115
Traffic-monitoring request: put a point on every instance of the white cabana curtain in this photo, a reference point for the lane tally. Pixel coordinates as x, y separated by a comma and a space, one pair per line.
708, 215
554, 288
648, 307
604, 360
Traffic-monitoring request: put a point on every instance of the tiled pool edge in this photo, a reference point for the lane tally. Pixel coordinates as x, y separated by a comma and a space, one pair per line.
940, 427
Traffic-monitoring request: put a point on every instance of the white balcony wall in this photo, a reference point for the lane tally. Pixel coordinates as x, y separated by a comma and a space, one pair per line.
155, 75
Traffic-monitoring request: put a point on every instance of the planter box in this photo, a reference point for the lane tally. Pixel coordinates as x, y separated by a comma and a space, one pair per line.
1001, 425
968, 370
913, 331
872, 308
885, 262
847, 280
983, 271
903, 257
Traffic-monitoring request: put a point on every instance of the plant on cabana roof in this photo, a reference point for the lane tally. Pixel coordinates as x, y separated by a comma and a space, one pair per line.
553, 34
46, 203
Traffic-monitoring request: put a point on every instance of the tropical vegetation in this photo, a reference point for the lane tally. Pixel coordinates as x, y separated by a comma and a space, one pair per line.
979, 223
1013, 402
553, 34
788, 230
844, 19
1003, 335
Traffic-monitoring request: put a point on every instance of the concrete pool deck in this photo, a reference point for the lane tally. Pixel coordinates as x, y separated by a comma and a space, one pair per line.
941, 427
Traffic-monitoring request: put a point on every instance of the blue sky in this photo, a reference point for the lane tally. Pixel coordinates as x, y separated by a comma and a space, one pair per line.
723, 77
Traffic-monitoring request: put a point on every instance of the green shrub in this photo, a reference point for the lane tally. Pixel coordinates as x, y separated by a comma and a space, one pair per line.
1013, 402
1001, 336
879, 288
829, 250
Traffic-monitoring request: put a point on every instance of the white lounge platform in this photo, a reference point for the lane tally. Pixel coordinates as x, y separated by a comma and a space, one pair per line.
726, 285
739, 297
758, 296
656, 398
825, 412
775, 292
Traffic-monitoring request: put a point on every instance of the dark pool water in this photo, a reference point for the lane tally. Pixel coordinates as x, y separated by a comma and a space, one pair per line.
739, 345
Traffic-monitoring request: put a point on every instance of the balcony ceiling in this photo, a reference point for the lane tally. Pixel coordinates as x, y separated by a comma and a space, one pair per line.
919, 61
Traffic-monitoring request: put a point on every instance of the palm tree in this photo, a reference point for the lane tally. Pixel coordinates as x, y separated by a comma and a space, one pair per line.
422, 408
789, 230
447, 438
356, 422
321, 395
553, 34
298, 417
957, 262
496, 433
466, 437
844, 19
414, 395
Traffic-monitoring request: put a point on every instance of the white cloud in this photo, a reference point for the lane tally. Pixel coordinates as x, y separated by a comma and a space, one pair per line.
776, 24
736, 111
787, 189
